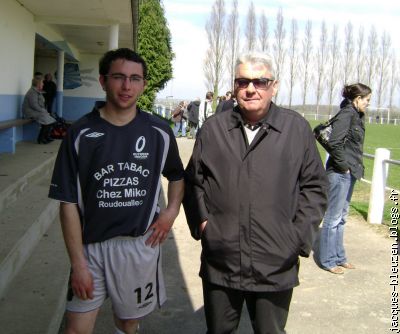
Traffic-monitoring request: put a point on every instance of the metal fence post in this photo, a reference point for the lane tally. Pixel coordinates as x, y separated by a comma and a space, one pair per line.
377, 194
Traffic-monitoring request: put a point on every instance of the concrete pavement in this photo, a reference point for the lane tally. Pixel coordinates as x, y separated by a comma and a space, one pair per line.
357, 302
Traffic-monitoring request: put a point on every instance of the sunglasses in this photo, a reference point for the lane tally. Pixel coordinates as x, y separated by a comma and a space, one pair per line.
259, 83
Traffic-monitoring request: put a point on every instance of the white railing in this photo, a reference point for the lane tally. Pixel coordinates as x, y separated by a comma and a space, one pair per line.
383, 120
369, 119
378, 184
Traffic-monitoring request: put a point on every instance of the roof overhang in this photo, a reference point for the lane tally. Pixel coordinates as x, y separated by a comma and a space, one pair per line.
82, 26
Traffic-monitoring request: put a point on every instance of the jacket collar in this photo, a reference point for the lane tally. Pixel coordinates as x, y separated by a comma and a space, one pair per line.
273, 119
347, 104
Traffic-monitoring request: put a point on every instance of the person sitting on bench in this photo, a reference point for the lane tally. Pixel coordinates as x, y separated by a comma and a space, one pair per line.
34, 107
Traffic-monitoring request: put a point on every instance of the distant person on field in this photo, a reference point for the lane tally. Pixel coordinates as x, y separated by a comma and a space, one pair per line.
226, 104
34, 107
193, 117
344, 167
205, 108
179, 117
107, 177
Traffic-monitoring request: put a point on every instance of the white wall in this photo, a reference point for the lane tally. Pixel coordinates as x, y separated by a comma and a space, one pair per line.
51, 35
17, 43
18, 63
46, 65
89, 73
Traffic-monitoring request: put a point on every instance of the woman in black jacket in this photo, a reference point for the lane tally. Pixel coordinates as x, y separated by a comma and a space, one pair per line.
344, 167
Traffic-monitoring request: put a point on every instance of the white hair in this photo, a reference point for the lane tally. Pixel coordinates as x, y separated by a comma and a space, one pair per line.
256, 58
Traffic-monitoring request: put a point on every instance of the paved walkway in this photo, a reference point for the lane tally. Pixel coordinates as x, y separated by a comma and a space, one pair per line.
356, 302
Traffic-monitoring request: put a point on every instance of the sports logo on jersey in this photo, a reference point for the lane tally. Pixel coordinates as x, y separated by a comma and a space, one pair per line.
139, 146
94, 135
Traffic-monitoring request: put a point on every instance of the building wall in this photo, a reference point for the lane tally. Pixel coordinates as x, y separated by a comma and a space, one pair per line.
19, 62
17, 40
79, 101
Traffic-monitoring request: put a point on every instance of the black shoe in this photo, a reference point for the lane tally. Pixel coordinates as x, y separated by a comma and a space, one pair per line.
42, 141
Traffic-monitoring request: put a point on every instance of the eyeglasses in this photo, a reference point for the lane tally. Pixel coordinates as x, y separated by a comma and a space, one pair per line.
258, 83
121, 78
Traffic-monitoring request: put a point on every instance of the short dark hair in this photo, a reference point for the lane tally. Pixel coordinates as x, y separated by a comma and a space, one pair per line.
209, 95
121, 53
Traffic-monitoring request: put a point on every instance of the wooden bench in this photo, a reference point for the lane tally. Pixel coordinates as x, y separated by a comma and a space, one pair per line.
9, 135
14, 122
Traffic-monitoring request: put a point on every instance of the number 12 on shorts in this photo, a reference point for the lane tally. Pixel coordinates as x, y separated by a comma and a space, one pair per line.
148, 293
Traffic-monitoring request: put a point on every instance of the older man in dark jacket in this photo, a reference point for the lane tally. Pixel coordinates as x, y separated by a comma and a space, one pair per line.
255, 196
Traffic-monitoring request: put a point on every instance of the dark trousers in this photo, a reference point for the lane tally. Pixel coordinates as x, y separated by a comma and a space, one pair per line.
268, 311
44, 134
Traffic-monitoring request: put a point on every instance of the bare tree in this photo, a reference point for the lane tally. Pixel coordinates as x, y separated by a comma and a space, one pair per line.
348, 53
383, 66
321, 64
279, 46
293, 59
213, 64
250, 32
394, 79
372, 51
306, 59
334, 61
263, 33
208, 70
360, 55
232, 33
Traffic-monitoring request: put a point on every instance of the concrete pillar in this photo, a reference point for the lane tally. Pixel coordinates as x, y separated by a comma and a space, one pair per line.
113, 37
378, 185
60, 83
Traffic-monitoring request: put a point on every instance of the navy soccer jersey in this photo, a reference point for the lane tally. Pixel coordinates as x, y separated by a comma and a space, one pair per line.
114, 173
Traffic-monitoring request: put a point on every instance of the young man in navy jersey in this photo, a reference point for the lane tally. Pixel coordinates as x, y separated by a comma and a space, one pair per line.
107, 178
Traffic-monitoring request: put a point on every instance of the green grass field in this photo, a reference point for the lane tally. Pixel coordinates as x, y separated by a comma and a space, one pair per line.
376, 136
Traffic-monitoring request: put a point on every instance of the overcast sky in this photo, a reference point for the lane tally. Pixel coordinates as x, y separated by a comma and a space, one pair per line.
187, 21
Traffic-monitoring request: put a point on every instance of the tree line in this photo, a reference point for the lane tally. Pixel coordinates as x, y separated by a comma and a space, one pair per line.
316, 67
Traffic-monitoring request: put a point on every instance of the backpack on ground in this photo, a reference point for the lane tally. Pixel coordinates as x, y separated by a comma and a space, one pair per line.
59, 129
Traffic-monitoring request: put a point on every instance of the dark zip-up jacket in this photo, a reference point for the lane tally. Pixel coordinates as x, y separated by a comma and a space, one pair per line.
347, 141
263, 202
193, 112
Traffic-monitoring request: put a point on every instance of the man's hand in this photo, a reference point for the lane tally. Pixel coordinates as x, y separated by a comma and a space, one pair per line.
82, 283
203, 226
81, 278
161, 227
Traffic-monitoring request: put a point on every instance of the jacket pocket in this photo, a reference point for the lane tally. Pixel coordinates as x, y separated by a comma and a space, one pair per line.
276, 248
357, 134
219, 246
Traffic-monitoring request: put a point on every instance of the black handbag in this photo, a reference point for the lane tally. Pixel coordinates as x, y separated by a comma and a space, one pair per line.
322, 132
